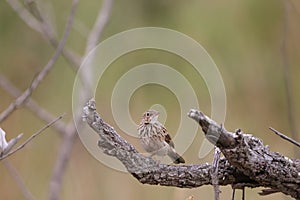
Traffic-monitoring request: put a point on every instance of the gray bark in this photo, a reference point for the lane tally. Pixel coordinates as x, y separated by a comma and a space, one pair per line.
247, 162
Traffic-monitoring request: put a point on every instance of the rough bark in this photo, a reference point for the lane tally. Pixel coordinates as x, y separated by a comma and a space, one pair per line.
248, 154
247, 161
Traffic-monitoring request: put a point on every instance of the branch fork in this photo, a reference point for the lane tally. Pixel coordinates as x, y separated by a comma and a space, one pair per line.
247, 161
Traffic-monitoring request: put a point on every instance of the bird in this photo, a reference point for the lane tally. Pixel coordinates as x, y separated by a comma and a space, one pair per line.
155, 138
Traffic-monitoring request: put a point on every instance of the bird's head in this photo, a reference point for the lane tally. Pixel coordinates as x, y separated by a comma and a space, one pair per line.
150, 116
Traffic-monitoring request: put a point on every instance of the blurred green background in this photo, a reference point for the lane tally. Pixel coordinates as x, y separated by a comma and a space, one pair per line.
244, 38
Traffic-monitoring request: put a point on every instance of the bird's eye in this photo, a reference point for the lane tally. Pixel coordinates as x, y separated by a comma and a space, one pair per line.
147, 114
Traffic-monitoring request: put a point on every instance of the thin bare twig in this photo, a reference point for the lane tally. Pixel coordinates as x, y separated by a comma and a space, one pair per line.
25, 15
37, 22
214, 173
32, 105
68, 141
65, 149
61, 163
285, 137
47, 29
99, 25
40, 76
286, 72
92, 40
17, 178
31, 138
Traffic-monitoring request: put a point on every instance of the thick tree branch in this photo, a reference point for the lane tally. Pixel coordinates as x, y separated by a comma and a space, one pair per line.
247, 163
148, 171
248, 154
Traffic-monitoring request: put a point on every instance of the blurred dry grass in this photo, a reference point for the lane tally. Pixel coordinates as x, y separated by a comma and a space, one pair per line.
243, 38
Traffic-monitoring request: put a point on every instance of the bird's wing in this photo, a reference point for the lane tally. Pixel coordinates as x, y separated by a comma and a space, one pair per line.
167, 137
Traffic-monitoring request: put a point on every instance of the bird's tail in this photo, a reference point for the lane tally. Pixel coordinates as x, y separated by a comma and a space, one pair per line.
175, 156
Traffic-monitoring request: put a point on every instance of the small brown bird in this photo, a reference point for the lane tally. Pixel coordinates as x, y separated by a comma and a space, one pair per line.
155, 138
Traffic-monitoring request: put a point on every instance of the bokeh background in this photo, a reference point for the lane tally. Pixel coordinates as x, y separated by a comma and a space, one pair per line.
244, 38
